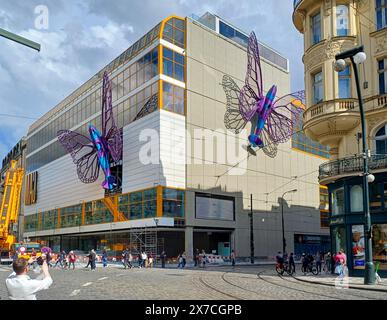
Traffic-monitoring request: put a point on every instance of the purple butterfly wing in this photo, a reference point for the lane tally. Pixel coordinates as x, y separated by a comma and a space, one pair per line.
253, 78
286, 113
233, 119
149, 107
110, 131
270, 146
83, 152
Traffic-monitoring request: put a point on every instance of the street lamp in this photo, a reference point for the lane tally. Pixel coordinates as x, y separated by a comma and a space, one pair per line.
282, 214
357, 56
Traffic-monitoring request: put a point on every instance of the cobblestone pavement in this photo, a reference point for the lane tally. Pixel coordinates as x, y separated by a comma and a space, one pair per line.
213, 283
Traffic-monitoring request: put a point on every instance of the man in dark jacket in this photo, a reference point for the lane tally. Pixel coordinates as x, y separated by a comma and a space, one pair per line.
163, 256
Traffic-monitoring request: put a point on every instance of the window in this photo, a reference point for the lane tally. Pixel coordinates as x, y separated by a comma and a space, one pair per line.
381, 140
379, 244
342, 24
345, 83
317, 88
173, 64
231, 33
174, 32
337, 205
382, 70
381, 14
356, 198
339, 242
316, 28
173, 98
173, 203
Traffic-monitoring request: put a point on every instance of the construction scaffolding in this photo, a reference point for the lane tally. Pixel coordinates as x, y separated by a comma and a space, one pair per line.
146, 239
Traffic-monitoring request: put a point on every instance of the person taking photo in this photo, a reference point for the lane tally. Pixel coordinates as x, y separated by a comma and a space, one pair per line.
20, 286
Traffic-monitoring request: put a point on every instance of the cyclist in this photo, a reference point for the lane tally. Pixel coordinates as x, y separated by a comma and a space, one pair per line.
280, 260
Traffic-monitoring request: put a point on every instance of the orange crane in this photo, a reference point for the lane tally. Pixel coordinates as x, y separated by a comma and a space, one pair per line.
10, 205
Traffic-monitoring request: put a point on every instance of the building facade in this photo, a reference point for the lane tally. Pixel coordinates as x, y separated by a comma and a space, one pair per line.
183, 175
333, 119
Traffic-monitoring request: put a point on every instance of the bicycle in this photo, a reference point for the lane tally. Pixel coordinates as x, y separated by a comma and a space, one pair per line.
310, 268
285, 268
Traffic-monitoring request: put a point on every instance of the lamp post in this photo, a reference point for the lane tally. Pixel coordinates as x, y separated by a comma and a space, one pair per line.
357, 56
282, 214
251, 231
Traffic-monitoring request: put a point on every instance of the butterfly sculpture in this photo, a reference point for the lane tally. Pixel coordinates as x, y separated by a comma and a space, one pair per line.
273, 121
94, 152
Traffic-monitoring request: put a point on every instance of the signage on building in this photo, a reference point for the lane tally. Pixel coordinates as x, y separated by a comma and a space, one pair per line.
214, 207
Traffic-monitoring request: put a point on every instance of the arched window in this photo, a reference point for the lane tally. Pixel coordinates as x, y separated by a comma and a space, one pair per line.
381, 140
356, 198
342, 20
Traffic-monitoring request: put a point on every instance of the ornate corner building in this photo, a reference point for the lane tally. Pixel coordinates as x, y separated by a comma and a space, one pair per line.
333, 119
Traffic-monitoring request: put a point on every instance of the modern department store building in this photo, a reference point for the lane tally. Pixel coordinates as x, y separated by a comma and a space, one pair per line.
179, 65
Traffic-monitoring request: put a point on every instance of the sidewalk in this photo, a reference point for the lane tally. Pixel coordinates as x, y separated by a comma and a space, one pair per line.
347, 282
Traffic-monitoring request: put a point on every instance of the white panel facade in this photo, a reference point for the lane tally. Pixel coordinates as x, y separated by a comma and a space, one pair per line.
154, 152
59, 186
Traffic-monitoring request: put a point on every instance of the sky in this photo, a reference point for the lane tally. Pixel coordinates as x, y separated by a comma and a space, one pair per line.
80, 37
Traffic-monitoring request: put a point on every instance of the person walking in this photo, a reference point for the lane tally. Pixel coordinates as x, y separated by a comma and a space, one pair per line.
130, 259
140, 260
184, 256
89, 259
150, 261
292, 265
93, 259
104, 258
144, 259
72, 258
318, 261
180, 261
196, 258
163, 256
20, 286
125, 258
232, 258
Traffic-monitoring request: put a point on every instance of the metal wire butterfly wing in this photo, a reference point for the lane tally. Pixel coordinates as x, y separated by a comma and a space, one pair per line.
233, 118
83, 152
110, 131
285, 115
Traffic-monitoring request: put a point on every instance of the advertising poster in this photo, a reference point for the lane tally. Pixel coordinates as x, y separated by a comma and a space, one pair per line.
358, 247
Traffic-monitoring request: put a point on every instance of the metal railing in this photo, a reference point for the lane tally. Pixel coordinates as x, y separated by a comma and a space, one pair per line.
353, 164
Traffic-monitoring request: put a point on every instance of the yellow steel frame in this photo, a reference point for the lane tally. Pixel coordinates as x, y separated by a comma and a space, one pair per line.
10, 204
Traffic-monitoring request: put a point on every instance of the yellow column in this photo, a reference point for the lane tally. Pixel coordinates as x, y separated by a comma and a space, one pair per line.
159, 201
83, 213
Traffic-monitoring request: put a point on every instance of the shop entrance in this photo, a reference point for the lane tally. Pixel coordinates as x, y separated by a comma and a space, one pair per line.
213, 242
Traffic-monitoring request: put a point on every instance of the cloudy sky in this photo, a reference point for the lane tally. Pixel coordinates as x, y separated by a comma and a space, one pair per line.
85, 35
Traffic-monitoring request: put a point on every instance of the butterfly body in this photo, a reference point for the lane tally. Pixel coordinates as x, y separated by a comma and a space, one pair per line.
103, 157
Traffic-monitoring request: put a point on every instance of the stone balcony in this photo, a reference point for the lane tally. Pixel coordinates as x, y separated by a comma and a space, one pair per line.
331, 118
350, 166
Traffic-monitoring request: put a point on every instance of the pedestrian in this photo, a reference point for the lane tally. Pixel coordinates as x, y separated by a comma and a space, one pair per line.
130, 259
104, 258
59, 261
304, 263
340, 263
125, 258
196, 258
48, 259
292, 265
144, 259
140, 259
232, 258
163, 256
150, 260
93, 259
20, 286
89, 259
184, 256
204, 257
318, 261
180, 261
72, 258
15, 256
